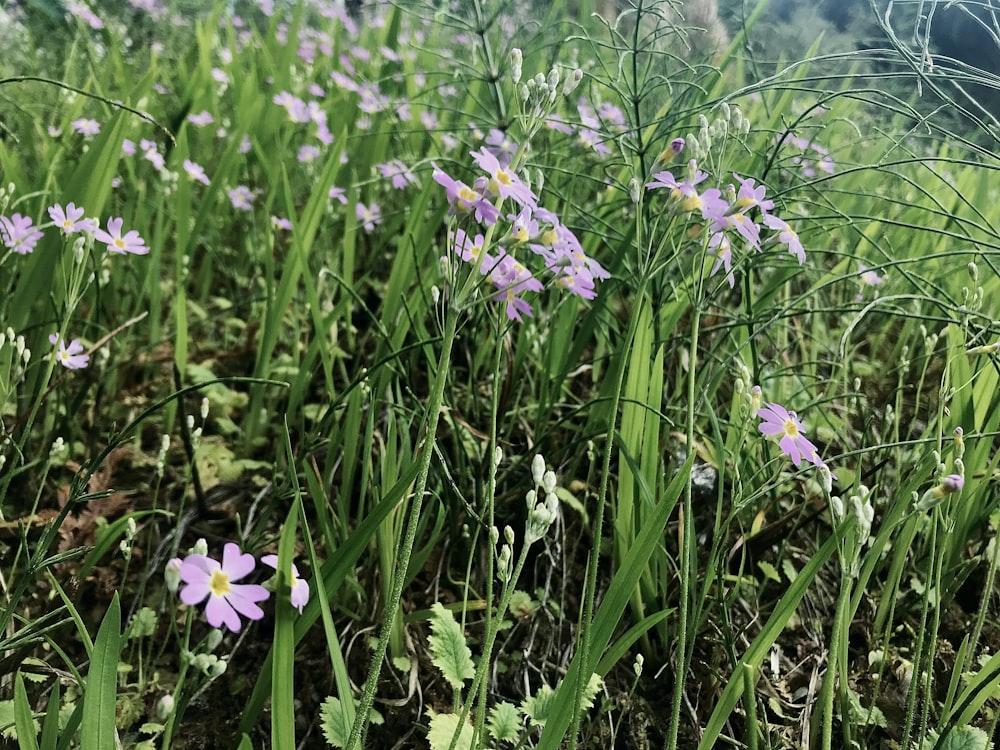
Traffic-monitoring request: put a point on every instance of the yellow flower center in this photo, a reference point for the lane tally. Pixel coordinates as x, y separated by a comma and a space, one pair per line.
219, 583
549, 237
119, 243
467, 194
691, 203
503, 177
791, 429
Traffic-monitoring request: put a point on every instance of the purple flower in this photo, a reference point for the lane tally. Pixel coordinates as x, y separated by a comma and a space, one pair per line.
869, 277
86, 127
502, 181
201, 119
300, 589
338, 194
205, 577
308, 153
19, 233
512, 279
464, 199
70, 219
369, 216
398, 172
787, 236
719, 244
794, 443
952, 483
71, 357
242, 197
750, 196
196, 172
130, 243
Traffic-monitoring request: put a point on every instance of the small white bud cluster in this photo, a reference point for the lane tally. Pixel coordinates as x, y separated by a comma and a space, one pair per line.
516, 60
14, 358
161, 456
541, 514
59, 452
540, 92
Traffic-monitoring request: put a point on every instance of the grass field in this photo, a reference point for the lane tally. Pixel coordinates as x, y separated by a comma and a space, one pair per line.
490, 376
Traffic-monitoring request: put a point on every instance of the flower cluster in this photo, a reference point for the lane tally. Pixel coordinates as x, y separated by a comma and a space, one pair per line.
727, 215
530, 226
19, 233
208, 579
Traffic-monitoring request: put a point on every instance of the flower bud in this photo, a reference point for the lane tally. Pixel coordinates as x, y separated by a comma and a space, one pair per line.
172, 575
537, 468
165, 707
516, 60
572, 81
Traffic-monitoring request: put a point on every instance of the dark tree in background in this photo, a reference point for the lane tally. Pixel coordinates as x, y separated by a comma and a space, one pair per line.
961, 38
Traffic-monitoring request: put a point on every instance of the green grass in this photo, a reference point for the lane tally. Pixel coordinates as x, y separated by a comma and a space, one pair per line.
361, 402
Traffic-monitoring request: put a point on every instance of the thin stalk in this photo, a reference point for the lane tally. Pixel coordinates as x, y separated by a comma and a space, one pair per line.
687, 547
431, 418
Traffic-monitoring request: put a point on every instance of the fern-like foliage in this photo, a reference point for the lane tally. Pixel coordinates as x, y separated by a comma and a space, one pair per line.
449, 651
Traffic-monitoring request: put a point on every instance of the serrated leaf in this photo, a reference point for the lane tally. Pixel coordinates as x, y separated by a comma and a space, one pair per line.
769, 571
334, 724
536, 707
443, 728
504, 722
143, 623
449, 651
959, 738
861, 716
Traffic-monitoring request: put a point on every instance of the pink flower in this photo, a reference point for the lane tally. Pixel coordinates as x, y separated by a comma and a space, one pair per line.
398, 173
242, 197
787, 236
464, 199
794, 443
202, 118
719, 245
70, 219
300, 589
338, 194
368, 216
750, 196
205, 577
502, 181
71, 357
196, 172
130, 243
869, 277
19, 233
86, 127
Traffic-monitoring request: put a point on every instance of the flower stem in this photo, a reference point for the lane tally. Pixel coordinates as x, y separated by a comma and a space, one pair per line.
430, 422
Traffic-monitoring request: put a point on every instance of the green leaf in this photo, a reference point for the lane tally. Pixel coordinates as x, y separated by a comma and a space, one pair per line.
861, 716
504, 722
959, 738
443, 728
97, 730
536, 707
336, 726
143, 623
27, 727
449, 651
